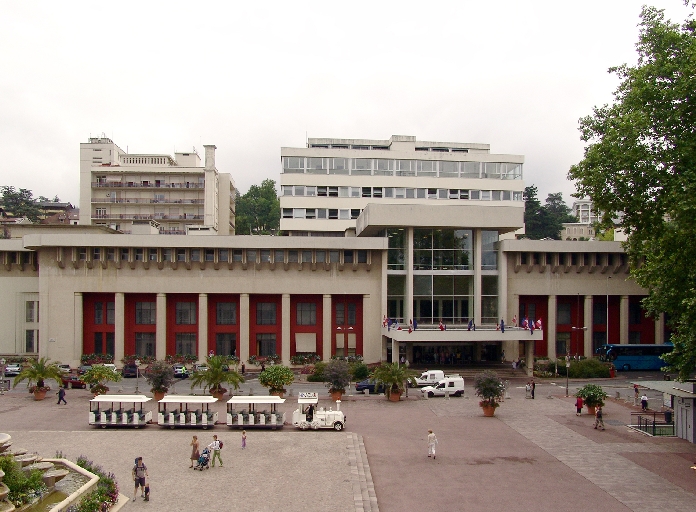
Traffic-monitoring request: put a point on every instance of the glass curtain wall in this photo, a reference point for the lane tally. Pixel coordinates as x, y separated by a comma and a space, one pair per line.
443, 283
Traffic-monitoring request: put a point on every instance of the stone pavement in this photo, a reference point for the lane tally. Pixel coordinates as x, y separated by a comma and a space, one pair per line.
533, 455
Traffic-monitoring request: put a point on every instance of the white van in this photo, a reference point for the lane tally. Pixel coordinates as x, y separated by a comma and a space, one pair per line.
430, 377
452, 383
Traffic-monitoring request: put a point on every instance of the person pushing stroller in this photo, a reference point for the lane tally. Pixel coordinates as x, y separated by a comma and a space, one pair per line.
203, 460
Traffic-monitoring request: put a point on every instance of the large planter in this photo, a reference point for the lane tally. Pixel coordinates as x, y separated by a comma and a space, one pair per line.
488, 410
39, 394
591, 410
159, 395
218, 394
280, 393
336, 395
395, 396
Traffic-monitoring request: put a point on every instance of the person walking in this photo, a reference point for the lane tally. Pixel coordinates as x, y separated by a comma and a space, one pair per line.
195, 454
644, 402
578, 406
215, 448
432, 442
139, 475
598, 422
61, 396
243, 439
533, 386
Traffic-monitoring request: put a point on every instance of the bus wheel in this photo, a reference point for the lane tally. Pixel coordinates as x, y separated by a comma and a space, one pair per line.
626, 367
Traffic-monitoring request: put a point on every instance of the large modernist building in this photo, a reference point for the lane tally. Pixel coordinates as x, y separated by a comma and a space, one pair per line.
414, 231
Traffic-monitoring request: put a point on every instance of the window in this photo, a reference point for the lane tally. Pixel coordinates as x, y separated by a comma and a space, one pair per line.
449, 169
306, 313
145, 313
317, 165
125, 254
226, 313
145, 344
265, 344
306, 256
30, 311
403, 168
338, 166
110, 313
425, 168
185, 313
223, 255
138, 254
181, 255
287, 190
299, 190
98, 313
266, 313
83, 253
265, 256
195, 255
152, 254
293, 257
167, 255
362, 166
470, 169
293, 164
209, 255
30, 338
186, 343
347, 256
384, 168
110, 254
225, 344
563, 316
96, 253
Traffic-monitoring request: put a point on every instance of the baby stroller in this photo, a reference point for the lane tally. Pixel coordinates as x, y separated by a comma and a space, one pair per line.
203, 460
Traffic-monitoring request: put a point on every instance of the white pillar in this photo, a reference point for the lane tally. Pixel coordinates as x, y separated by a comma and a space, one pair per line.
660, 329
623, 320
161, 327
502, 286
408, 292
588, 322
119, 327
244, 327
395, 351
285, 328
478, 252
203, 326
551, 327
326, 328
78, 326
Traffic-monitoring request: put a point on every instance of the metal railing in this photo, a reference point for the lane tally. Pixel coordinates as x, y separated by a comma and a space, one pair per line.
653, 423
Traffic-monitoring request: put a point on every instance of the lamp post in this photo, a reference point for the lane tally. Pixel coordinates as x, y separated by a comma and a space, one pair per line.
2, 381
137, 375
568, 356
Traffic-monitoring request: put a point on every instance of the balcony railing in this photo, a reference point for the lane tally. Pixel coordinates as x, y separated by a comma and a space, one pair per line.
114, 200
126, 216
132, 184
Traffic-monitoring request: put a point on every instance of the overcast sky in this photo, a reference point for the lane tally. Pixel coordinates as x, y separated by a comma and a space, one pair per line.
252, 77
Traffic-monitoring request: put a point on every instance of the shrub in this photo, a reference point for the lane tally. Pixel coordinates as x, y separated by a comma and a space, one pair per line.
588, 369
160, 376
24, 487
592, 394
489, 388
360, 371
318, 374
104, 496
337, 375
276, 377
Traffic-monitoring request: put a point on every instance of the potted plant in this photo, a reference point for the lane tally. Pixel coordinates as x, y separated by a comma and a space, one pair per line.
394, 376
36, 373
98, 376
592, 395
275, 378
490, 389
215, 376
160, 376
337, 377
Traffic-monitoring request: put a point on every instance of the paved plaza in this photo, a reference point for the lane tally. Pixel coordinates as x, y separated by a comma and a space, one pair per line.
533, 455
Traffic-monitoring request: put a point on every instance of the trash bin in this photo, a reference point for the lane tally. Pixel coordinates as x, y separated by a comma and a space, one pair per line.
668, 416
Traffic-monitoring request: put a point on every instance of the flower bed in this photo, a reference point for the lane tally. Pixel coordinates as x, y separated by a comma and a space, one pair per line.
104, 496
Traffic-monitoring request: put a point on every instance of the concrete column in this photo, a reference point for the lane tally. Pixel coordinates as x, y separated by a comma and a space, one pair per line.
120, 327
202, 326
367, 326
478, 252
502, 286
78, 326
408, 292
326, 332
285, 328
588, 322
161, 327
244, 327
623, 320
551, 326
529, 356
660, 329
395, 351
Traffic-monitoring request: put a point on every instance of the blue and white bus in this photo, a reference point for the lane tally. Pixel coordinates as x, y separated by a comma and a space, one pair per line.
634, 357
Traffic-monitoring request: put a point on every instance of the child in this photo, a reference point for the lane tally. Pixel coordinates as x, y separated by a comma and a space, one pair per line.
599, 422
578, 406
243, 439
147, 489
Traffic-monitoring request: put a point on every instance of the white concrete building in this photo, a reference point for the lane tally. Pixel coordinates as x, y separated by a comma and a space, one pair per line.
118, 189
325, 186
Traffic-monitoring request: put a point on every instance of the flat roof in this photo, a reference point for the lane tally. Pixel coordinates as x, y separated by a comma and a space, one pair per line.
191, 399
666, 386
121, 398
261, 399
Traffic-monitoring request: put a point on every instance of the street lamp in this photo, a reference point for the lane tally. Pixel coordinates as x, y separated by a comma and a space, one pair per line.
568, 356
137, 375
2, 381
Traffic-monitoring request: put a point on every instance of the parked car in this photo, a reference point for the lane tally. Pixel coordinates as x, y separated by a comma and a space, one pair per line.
200, 367
65, 368
368, 386
130, 370
12, 369
452, 383
84, 369
180, 371
110, 365
73, 381
429, 378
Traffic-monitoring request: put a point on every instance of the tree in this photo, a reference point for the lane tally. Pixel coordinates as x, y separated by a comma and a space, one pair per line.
544, 221
20, 203
639, 160
258, 211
